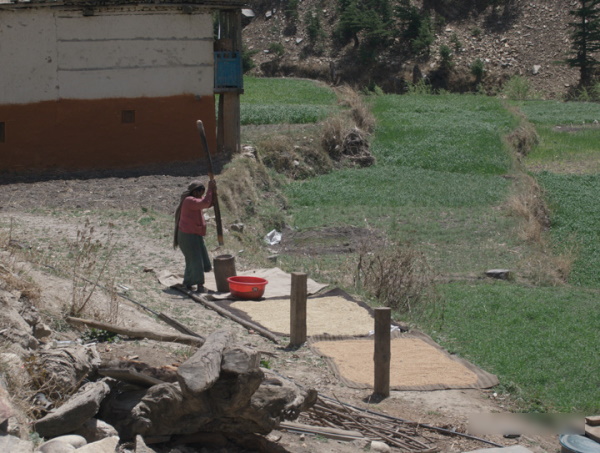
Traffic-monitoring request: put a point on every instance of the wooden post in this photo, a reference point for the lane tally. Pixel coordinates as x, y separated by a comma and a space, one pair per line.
382, 352
298, 309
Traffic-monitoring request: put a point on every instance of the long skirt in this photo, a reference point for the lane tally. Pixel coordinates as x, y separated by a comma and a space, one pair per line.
197, 261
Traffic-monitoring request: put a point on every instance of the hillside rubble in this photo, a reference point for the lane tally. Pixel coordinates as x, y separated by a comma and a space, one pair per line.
532, 41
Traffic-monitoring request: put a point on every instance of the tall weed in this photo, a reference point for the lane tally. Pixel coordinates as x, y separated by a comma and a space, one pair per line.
89, 262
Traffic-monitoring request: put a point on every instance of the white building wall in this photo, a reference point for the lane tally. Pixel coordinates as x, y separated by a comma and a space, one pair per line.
112, 54
28, 60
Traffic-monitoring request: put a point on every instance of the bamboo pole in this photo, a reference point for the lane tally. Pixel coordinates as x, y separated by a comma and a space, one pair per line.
136, 333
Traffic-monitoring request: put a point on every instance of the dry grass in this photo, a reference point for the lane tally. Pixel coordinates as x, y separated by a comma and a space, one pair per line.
339, 132
295, 158
90, 260
545, 268
11, 279
241, 186
521, 140
527, 202
397, 275
359, 110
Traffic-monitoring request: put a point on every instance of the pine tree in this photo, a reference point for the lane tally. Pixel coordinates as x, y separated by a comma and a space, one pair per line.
586, 39
370, 20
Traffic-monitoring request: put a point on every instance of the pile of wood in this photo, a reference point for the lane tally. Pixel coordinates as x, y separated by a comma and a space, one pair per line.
355, 422
220, 391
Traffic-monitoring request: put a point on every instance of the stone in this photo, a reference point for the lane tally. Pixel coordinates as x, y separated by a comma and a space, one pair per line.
536, 69
238, 227
75, 412
140, 445
6, 409
108, 445
94, 430
501, 274
379, 446
62, 444
41, 330
13, 444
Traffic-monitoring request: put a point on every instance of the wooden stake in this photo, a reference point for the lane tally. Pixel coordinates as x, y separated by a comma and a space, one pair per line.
298, 309
382, 353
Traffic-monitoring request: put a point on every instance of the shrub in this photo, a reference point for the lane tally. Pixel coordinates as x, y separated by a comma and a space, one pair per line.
456, 43
398, 276
314, 29
446, 56
277, 48
478, 69
247, 62
419, 88
291, 10
517, 88
425, 37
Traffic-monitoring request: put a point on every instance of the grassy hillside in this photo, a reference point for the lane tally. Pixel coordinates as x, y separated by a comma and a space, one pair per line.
441, 186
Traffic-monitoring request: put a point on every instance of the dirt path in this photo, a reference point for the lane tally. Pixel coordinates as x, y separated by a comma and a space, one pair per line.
132, 213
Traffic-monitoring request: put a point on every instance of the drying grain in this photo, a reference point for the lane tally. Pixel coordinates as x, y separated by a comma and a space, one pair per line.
413, 363
324, 315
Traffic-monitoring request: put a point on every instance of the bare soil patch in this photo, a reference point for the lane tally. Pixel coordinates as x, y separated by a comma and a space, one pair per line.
49, 214
322, 241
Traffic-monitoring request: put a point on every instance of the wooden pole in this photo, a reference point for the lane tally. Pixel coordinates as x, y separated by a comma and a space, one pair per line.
382, 353
298, 309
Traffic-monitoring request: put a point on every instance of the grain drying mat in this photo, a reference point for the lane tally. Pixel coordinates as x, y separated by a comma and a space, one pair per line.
417, 363
333, 313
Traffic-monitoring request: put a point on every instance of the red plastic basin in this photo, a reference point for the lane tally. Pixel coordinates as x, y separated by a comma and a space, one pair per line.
244, 287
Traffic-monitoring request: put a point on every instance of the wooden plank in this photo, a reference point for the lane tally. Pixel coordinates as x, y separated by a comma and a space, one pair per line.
593, 432
593, 420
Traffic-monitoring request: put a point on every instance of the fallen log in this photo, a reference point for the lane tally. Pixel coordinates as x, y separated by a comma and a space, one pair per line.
227, 314
135, 333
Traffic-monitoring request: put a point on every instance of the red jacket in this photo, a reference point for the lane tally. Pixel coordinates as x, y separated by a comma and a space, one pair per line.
191, 220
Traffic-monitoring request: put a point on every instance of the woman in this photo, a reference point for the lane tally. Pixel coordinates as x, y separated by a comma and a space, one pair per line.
190, 228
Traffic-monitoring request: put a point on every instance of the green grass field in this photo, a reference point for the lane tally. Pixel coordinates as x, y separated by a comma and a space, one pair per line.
570, 139
277, 101
439, 184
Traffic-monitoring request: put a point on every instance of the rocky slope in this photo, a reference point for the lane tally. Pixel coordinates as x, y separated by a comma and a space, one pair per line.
530, 40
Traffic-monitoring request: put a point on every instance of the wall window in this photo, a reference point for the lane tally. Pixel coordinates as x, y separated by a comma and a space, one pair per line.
2, 131
127, 116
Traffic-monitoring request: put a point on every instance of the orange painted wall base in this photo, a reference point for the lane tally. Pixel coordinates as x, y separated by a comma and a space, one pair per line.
104, 133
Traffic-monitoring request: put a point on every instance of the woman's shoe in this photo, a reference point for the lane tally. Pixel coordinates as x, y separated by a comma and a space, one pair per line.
201, 289
189, 287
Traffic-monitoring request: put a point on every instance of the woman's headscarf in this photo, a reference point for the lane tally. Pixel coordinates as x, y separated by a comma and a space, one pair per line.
194, 185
